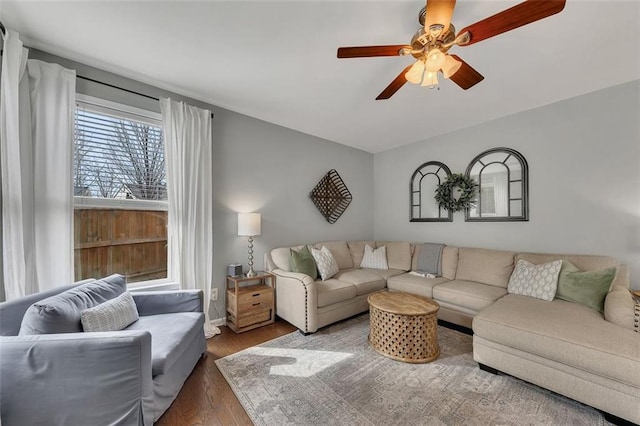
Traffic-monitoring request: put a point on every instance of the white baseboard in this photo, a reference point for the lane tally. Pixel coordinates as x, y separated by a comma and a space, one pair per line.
218, 322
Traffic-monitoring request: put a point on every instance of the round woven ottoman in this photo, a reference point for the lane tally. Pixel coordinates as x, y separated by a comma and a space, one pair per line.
403, 326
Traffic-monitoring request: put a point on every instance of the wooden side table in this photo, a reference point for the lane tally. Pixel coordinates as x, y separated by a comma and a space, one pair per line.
250, 301
403, 326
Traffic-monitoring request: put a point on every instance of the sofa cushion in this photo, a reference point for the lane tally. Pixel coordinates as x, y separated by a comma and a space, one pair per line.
333, 291
356, 248
493, 267
564, 332
112, 315
61, 313
587, 287
414, 284
398, 254
281, 257
449, 261
385, 273
374, 258
302, 261
340, 252
364, 280
539, 281
469, 295
169, 333
582, 262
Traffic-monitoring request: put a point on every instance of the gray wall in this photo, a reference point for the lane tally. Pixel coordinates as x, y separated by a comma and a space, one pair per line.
260, 167
269, 169
584, 179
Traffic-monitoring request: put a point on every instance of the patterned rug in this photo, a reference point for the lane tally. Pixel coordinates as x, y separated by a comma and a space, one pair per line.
333, 377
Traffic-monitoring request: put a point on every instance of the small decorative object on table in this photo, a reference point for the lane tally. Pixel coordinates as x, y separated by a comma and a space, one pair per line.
250, 301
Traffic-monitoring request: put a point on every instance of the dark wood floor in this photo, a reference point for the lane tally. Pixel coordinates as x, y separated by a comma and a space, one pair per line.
206, 398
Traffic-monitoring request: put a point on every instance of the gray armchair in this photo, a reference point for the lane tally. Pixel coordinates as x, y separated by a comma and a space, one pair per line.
127, 377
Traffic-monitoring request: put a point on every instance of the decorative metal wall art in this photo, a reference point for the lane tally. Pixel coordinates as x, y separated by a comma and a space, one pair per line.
422, 186
331, 196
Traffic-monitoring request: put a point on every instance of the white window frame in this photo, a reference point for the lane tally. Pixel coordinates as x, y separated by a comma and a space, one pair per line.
153, 118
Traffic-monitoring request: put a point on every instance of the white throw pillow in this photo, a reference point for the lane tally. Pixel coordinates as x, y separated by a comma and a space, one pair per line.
327, 265
112, 315
539, 281
374, 259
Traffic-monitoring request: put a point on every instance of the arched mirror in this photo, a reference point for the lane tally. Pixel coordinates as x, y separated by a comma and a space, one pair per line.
422, 187
503, 188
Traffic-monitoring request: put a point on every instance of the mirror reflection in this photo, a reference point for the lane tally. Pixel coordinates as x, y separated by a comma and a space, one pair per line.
501, 175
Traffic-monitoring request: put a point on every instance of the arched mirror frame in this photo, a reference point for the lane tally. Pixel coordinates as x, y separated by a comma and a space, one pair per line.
419, 174
524, 182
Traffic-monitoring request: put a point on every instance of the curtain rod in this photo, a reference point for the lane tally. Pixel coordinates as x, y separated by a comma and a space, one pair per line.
122, 88
118, 87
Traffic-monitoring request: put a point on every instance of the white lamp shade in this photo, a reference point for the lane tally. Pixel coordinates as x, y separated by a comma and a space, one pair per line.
248, 224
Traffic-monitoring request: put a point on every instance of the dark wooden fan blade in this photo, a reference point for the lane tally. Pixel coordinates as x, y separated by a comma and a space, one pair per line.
466, 76
370, 51
395, 85
512, 18
439, 12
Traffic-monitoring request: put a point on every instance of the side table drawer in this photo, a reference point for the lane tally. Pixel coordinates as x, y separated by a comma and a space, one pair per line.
254, 318
255, 300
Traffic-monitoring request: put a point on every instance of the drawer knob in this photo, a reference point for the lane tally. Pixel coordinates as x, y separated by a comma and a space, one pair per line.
256, 304
255, 295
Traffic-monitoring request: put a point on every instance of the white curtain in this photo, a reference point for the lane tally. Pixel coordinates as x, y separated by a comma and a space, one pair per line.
188, 156
37, 101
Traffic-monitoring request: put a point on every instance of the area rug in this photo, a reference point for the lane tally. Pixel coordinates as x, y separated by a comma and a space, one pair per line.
333, 377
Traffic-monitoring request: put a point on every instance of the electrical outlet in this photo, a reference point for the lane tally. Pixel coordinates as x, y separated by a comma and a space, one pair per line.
214, 294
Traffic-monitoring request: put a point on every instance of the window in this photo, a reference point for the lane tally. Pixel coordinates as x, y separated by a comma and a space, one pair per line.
120, 192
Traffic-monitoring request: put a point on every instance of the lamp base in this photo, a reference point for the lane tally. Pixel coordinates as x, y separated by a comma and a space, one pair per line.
251, 273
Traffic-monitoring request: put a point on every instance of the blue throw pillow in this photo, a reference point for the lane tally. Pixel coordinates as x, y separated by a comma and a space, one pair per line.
61, 313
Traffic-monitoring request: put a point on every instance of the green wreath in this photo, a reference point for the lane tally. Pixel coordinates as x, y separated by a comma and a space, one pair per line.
444, 192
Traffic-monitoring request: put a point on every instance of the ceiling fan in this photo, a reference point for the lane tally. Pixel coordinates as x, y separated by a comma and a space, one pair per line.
437, 35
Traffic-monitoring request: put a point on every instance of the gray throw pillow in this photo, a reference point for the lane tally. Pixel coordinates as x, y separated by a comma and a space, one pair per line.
112, 315
61, 313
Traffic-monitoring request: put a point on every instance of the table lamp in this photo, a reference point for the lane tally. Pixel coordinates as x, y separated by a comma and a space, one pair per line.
249, 226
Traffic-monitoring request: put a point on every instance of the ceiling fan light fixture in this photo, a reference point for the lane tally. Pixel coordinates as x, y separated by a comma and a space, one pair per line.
435, 60
450, 67
414, 75
430, 80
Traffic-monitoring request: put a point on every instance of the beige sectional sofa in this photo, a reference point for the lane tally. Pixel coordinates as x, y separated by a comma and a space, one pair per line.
565, 347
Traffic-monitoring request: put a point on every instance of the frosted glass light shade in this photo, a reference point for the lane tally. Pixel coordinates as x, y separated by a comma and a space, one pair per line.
450, 67
435, 60
248, 224
430, 79
414, 75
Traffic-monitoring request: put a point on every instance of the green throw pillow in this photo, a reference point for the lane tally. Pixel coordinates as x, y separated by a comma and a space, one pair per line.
302, 261
588, 288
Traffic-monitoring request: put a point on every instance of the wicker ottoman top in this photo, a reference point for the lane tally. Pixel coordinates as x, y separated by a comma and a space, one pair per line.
403, 303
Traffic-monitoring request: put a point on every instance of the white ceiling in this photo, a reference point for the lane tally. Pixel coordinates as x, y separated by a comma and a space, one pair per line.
276, 61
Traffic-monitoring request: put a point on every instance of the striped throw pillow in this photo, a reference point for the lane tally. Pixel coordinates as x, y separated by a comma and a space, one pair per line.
112, 315
374, 259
